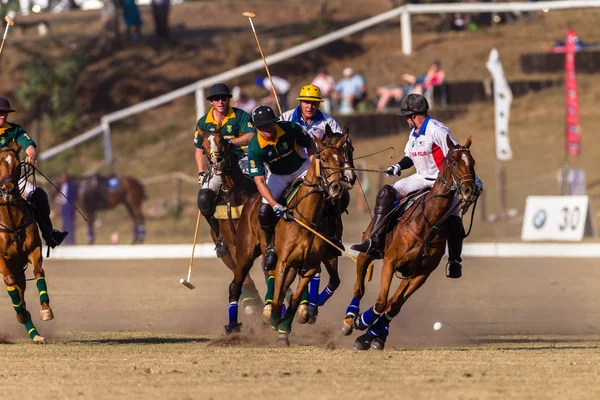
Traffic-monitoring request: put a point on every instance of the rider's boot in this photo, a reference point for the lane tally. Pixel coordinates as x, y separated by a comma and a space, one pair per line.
268, 221
41, 212
373, 244
206, 205
333, 220
456, 235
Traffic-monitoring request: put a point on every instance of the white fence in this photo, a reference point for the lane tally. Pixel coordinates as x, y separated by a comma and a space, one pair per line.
403, 12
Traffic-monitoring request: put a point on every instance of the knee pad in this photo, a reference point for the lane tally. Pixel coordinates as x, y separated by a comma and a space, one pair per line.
206, 202
385, 199
266, 217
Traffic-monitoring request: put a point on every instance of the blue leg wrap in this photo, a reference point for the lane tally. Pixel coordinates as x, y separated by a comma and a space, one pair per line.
313, 290
381, 327
325, 295
353, 308
233, 313
283, 310
368, 318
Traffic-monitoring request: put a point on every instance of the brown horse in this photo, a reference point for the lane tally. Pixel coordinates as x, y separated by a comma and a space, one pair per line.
236, 188
414, 247
99, 193
20, 244
298, 250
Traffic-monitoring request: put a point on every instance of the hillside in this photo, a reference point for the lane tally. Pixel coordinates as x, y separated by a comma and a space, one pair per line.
159, 141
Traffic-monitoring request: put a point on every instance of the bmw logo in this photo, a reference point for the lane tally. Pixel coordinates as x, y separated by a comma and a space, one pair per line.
539, 219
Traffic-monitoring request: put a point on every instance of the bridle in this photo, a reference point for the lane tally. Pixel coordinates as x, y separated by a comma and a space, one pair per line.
457, 182
12, 178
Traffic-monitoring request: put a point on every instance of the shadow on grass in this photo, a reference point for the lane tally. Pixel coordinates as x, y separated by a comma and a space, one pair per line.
148, 340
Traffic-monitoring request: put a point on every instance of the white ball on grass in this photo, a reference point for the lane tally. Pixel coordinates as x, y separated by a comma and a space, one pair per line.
437, 326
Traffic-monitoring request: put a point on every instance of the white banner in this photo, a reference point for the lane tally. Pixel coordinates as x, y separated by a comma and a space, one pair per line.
556, 218
502, 100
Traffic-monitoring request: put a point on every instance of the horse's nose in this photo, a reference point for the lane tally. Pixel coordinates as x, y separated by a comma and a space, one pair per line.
218, 159
468, 191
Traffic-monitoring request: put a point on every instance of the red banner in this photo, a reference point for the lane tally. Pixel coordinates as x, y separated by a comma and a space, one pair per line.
572, 103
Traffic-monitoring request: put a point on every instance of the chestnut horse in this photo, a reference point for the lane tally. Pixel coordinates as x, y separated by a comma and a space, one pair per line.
98, 193
414, 247
298, 250
20, 244
236, 188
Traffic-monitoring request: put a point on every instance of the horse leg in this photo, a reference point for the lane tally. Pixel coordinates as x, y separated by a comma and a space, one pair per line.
282, 274
139, 231
353, 309
35, 258
368, 318
378, 333
15, 285
285, 326
91, 238
240, 272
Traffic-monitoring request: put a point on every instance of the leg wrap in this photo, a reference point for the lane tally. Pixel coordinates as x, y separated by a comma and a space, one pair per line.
42, 289
368, 318
233, 313
354, 307
325, 295
381, 328
314, 290
15, 297
270, 289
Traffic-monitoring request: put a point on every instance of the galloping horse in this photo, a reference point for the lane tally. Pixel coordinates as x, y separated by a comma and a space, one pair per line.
236, 188
20, 244
414, 248
298, 250
98, 193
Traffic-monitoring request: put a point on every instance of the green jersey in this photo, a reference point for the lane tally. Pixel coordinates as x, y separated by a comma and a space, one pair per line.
282, 156
235, 124
10, 132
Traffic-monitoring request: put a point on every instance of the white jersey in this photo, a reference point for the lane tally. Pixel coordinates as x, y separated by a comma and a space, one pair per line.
427, 147
316, 128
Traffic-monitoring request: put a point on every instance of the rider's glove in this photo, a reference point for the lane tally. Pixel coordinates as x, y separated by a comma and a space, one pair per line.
201, 177
394, 170
282, 211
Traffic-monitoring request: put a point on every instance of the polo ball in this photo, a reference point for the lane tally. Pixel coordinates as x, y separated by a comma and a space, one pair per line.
437, 326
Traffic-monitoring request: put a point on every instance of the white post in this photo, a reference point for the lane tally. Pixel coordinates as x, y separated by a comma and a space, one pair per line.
200, 103
406, 32
108, 156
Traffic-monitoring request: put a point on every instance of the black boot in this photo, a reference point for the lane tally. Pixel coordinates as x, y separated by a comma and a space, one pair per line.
268, 221
41, 213
270, 261
333, 221
206, 205
456, 235
373, 244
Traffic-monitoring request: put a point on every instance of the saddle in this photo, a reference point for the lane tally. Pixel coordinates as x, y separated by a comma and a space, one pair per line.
400, 207
290, 192
221, 204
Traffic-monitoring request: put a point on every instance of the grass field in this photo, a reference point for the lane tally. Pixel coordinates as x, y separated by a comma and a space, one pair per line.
512, 328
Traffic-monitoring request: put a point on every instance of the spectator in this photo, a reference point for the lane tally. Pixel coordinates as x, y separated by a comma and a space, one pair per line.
435, 76
69, 189
131, 14
242, 101
395, 92
326, 83
160, 12
349, 91
282, 87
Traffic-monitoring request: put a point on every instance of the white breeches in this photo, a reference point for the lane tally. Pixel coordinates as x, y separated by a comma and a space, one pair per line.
278, 183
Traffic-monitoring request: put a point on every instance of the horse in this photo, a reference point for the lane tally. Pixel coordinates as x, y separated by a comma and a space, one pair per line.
98, 193
20, 244
236, 188
414, 247
298, 250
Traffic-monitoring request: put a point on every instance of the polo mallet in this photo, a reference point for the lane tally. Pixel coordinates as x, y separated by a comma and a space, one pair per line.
251, 15
184, 282
308, 228
9, 22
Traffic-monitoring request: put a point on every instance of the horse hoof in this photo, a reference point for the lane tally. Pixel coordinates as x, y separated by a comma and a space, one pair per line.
46, 315
37, 339
378, 343
302, 314
229, 329
346, 329
312, 320
266, 314
362, 342
283, 340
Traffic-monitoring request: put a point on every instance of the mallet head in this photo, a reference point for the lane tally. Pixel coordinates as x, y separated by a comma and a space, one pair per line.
9, 21
249, 14
186, 284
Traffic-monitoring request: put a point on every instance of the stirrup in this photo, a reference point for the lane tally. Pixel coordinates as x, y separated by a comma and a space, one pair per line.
221, 248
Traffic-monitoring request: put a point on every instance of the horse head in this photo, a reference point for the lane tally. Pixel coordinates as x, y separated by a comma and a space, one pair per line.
347, 151
9, 171
459, 171
219, 152
331, 163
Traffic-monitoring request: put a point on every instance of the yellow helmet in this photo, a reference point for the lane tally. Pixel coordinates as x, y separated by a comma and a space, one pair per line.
310, 93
